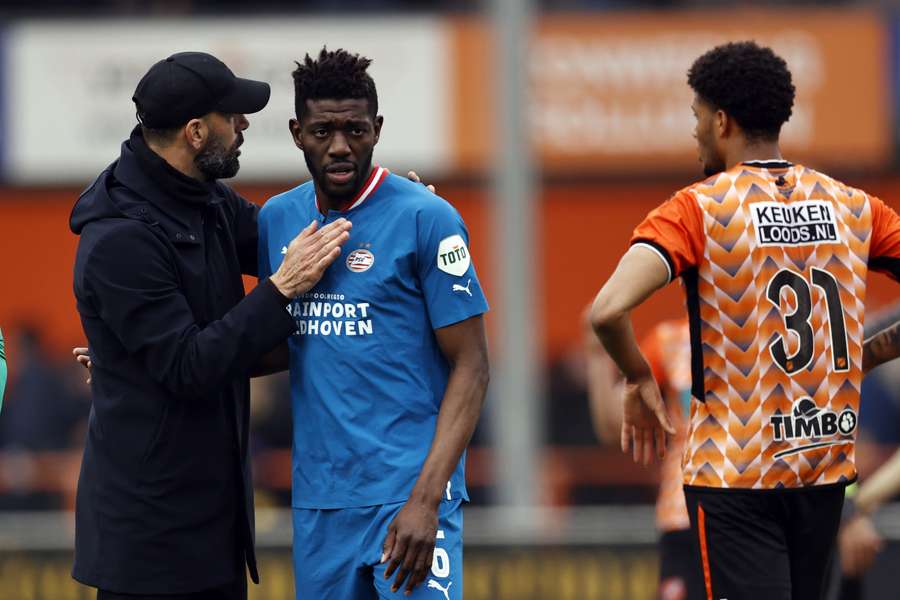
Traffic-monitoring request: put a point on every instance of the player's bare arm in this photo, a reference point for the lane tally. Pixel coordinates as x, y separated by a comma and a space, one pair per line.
882, 347
644, 418
605, 386
880, 487
409, 546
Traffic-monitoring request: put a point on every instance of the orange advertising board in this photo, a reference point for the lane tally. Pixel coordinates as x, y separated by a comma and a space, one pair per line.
609, 93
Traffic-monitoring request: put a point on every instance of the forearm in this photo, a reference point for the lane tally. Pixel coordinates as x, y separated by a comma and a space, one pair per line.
638, 275
617, 337
604, 389
880, 487
460, 409
882, 347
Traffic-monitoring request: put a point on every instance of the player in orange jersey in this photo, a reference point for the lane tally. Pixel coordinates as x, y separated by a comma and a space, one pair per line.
774, 258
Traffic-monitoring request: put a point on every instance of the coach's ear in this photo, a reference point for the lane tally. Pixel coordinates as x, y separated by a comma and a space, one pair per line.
294, 126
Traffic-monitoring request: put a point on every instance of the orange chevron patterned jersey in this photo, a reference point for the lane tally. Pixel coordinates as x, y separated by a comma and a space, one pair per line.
668, 350
774, 259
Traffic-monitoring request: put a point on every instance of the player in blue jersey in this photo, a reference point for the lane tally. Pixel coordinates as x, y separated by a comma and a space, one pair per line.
389, 361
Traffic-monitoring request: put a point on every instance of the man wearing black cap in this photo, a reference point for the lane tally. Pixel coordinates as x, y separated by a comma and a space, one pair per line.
164, 506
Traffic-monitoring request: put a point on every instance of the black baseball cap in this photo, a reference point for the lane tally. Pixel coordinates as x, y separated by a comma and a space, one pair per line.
188, 85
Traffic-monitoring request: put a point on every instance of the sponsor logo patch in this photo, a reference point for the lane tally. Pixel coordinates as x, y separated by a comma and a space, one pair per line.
360, 260
804, 223
808, 422
331, 314
453, 256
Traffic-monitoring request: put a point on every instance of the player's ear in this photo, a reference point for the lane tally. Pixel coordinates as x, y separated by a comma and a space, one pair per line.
379, 121
294, 127
722, 123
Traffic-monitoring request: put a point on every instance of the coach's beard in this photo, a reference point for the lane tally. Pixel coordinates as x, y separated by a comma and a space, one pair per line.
216, 161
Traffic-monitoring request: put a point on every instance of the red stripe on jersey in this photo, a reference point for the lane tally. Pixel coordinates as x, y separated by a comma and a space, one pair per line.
375, 178
704, 554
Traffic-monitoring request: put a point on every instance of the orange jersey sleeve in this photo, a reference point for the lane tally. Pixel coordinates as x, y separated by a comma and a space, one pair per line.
884, 253
674, 230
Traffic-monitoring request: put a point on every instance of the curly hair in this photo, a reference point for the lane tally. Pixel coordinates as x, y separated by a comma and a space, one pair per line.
334, 75
749, 82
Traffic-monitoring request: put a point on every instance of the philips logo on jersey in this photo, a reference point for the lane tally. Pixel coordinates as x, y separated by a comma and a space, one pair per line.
803, 223
453, 256
808, 422
326, 314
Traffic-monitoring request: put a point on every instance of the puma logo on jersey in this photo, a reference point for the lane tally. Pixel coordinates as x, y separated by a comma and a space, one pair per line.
459, 288
434, 585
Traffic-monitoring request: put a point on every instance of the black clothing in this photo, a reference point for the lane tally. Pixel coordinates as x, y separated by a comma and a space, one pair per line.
236, 590
772, 544
851, 588
164, 500
679, 566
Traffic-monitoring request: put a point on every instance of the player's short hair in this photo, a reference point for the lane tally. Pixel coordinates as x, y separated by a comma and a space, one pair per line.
750, 83
334, 75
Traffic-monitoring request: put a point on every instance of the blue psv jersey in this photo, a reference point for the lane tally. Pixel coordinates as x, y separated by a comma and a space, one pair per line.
367, 374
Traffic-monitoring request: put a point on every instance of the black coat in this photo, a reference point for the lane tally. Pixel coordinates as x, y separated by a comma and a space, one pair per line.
165, 500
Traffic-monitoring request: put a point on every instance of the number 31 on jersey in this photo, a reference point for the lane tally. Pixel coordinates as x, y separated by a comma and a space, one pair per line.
798, 323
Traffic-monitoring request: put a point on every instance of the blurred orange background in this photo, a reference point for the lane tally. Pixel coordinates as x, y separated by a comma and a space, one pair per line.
584, 229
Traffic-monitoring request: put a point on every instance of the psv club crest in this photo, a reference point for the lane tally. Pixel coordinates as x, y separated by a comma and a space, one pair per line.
360, 260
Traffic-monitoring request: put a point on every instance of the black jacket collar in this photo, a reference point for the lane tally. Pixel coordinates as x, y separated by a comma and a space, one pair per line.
180, 197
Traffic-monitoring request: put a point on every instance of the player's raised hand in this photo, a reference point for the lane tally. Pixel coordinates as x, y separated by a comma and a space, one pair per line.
308, 255
413, 176
83, 356
644, 420
409, 546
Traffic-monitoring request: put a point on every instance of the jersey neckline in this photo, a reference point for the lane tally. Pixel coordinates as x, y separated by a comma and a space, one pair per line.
768, 164
374, 181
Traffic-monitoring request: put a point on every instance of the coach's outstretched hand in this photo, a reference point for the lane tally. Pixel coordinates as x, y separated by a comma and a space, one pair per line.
644, 420
413, 176
308, 255
409, 546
